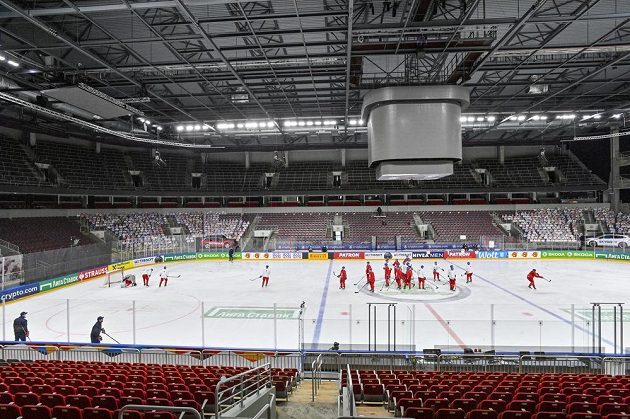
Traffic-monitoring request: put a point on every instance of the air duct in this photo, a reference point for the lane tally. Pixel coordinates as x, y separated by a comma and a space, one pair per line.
414, 132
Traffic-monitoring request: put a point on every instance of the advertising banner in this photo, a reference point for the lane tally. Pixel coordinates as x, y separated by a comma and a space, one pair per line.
400, 255
492, 254
612, 256
460, 254
348, 255
374, 255
150, 260
60, 281
428, 254
217, 255
91, 273
179, 256
523, 254
19, 292
567, 254
318, 256
259, 255
286, 255
213, 243
128, 264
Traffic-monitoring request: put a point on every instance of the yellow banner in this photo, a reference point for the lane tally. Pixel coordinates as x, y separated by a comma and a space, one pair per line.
128, 264
317, 256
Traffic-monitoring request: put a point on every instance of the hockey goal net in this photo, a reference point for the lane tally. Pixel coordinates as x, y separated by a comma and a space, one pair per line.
113, 278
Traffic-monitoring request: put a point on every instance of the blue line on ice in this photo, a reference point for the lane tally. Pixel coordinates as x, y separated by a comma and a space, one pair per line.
322, 307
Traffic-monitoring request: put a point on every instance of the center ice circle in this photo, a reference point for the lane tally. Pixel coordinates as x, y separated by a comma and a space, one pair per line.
415, 295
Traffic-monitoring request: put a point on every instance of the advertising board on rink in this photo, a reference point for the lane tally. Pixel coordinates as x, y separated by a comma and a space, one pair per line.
259, 255
524, 254
349, 255
492, 254
317, 256
428, 254
460, 254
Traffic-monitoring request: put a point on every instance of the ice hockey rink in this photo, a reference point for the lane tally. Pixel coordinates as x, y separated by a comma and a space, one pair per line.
496, 311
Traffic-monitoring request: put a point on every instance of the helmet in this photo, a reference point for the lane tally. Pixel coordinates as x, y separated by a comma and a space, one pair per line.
421, 266
99, 318
534, 269
343, 267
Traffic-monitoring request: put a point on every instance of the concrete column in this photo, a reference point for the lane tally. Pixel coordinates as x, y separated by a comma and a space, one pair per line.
613, 182
286, 158
342, 155
32, 139
98, 148
501, 154
247, 159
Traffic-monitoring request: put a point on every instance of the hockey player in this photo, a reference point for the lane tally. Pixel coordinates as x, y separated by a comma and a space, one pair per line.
388, 274
163, 277
343, 276
396, 264
128, 281
368, 268
422, 276
407, 260
469, 272
398, 274
452, 278
436, 272
20, 327
265, 276
409, 276
231, 254
530, 277
97, 329
146, 275
371, 279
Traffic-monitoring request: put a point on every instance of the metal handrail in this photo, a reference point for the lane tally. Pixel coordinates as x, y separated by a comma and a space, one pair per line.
240, 379
180, 409
351, 402
265, 408
316, 376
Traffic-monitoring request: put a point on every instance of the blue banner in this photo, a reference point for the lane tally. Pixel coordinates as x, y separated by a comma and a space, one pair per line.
19, 292
492, 254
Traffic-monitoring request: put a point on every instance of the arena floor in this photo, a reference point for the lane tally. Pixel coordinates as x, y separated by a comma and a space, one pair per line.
496, 310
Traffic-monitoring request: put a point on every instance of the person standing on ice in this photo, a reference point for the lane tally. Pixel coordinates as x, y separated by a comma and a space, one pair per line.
530, 277
388, 274
436, 272
343, 276
408, 277
97, 329
265, 276
231, 254
371, 279
452, 278
20, 327
469, 272
368, 268
422, 276
163, 277
146, 275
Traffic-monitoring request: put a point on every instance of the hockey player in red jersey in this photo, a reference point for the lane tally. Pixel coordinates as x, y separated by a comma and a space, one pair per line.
368, 268
396, 264
398, 274
388, 274
371, 279
530, 277
469, 273
406, 261
342, 278
436, 272
421, 277
409, 276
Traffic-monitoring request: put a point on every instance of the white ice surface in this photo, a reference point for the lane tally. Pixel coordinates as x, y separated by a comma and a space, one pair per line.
173, 315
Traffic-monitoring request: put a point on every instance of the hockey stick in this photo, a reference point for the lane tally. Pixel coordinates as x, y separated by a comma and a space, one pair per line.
364, 285
26, 334
548, 280
174, 276
111, 338
361, 279
255, 278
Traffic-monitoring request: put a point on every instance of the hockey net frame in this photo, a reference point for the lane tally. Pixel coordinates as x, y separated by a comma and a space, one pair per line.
113, 277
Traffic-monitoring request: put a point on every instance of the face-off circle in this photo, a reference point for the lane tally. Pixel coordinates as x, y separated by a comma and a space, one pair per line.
415, 295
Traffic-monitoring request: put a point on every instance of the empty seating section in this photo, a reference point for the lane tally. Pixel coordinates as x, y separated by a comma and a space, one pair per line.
615, 222
172, 176
304, 176
212, 224
519, 172
74, 389
362, 226
449, 226
303, 227
82, 167
479, 395
15, 167
234, 177
573, 172
41, 233
145, 228
548, 225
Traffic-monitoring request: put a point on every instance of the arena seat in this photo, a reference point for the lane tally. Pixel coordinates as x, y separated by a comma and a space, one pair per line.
10, 411
514, 414
419, 413
67, 412
482, 414
36, 412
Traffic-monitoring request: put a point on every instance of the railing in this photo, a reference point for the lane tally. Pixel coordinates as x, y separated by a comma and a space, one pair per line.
348, 401
231, 392
316, 376
175, 409
266, 409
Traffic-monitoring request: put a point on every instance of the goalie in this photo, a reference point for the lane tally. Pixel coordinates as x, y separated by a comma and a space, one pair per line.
128, 281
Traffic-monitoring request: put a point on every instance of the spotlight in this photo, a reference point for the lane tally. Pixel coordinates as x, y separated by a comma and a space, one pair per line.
180, 128
2, 58
353, 122
471, 119
463, 119
13, 63
480, 119
318, 123
520, 118
270, 124
240, 126
491, 118
301, 123
189, 128
197, 128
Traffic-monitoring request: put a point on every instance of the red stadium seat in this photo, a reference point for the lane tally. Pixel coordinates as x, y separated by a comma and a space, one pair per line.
482, 414
551, 407
123, 401
159, 415
582, 407
464, 404
65, 390
52, 400
450, 414
36, 412
156, 401
105, 402
549, 415
130, 414
522, 405
582, 415
371, 393
403, 404
10, 411
419, 413
96, 413
66, 412
436, 404
606, 409
496, 405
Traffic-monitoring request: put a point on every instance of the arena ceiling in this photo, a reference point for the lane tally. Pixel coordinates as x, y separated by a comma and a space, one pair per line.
292, 73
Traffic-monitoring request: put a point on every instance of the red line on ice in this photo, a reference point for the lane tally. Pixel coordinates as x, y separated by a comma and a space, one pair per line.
446, 326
